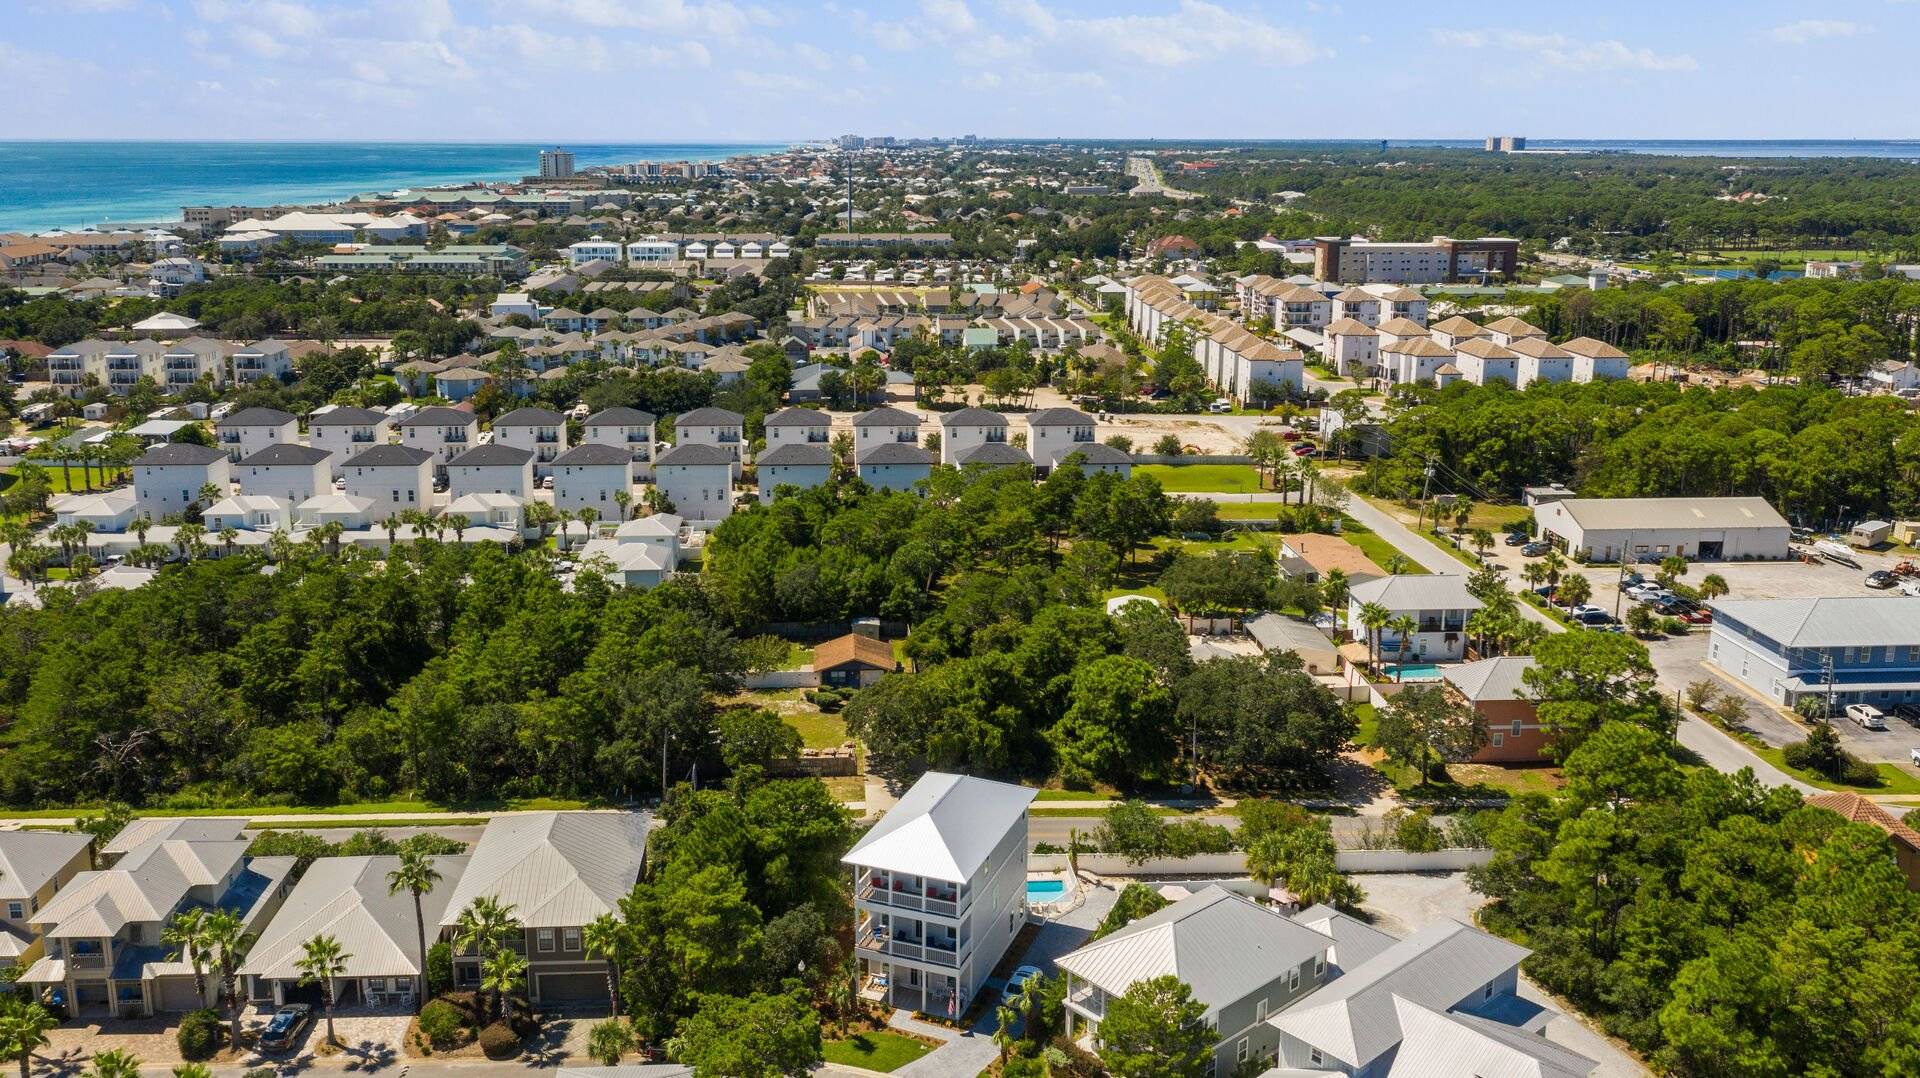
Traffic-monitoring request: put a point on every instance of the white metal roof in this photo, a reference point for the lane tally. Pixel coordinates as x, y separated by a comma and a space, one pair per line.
348, 898
1830, 622
944, 828
1416, 591
1498, 678
1222, 945
1353, 1019
1437, 1045
1622, 514
557, 869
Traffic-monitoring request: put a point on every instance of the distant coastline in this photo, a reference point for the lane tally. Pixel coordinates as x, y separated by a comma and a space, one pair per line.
62, 184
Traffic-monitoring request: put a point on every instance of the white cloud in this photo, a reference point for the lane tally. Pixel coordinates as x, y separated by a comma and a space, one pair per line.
1566, 53
1800, 33
951, 16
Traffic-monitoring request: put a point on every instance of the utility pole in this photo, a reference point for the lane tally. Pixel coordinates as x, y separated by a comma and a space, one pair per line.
1619, 581
1826, 674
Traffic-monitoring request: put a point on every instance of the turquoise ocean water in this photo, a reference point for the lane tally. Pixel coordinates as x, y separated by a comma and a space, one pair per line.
72, 184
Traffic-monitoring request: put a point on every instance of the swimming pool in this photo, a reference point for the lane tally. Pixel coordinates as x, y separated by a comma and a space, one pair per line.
1041, 892
1412, 671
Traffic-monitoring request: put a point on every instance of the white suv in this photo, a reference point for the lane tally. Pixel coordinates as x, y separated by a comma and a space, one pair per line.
1867, 716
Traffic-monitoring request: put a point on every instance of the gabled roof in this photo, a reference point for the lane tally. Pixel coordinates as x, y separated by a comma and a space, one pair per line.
180, 453
557, 869
695, 454
492, 455
1538, 347
160, 864
886, 417
710, 417
945, 827
1059, 417
1098, 453
1483, 348
530, 417
390, 456
797, 455
258, 417
973, 417
590, 454
895, 453
286, 454
1354, 941
29, 860
348, 898
1498, 678
1419, 346
1222, 945
621, 417
1602, 514
799, 417
1351, 327
346, 416
1456, 327
1353, 1018
1514, 327
1403, 327
1860, 810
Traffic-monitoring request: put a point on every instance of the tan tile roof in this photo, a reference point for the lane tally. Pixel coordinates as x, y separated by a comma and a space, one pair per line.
1860, 810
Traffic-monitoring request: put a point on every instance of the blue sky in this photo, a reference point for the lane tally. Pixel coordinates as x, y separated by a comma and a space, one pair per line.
735, 70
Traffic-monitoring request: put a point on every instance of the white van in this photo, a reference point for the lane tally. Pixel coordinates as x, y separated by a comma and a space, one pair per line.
1867, 716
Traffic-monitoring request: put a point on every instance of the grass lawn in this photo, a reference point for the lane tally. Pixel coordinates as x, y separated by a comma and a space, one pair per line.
1069, 813
1369, 725
1892, 779
357, 808
1189, 478
846, 787
1247, 510
321, 823
818, 730
1099, 794
881, 1050
1377, 550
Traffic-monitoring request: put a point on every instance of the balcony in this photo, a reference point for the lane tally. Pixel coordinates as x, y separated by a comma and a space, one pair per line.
546, 439
934, 952
91, 960
946, 903
361, 437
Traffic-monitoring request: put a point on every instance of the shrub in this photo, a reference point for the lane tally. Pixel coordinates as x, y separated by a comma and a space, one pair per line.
432, 845
1189, 837
1047, 847
1415, 832
499, 1041
608, 1041
199, 1034
439, 968
1821, 753
440, 1024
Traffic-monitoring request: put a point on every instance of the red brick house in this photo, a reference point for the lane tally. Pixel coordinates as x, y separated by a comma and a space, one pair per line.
1496, 692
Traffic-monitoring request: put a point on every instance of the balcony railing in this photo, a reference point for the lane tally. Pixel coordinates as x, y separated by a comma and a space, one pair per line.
87, 961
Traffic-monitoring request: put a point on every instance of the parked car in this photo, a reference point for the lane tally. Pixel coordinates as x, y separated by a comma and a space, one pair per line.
1593, 616
1015, 982
1516, 539
1534, 550
1632, 580
1881, 580
287, 1026
1304, 450
1698, 616
1907, 713
1867, 716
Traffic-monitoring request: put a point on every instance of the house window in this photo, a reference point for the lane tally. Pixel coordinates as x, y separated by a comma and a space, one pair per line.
1316, 1058
1499, 739
1240, 1051
1319, 965
1260, 1011
1487, 992
545, 939
569, 939
1293, 979
1516, 728
15, 910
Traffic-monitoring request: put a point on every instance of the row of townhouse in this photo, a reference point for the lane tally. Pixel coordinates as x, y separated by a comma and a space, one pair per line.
1400, 351
939, 895
174, 365
933, 302
664, 249
472, 260
92, 936
881, 332
1303, 303
1238, 363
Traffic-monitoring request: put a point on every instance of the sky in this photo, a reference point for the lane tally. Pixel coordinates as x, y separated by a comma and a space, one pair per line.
738, 71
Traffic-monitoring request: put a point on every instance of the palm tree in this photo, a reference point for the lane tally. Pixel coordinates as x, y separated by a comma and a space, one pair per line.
1533, 573
1334, 589
500, 975
1713, 586
228, 940
605, 937
193, 1070
280, 545
392, 525
23, 1029
1397, 564
227, 536
484, 925
1482, 541
140, 526
843, 992
330, 533
565, 517
416, 875
458, 522
1482, 625
114, 1063
624, 499
187, 933
1554, 565
1003, 1036
589, 516
1404, 627
211, 493
1373, 618
321, 960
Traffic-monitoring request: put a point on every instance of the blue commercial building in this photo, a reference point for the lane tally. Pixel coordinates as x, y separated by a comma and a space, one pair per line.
1785, 648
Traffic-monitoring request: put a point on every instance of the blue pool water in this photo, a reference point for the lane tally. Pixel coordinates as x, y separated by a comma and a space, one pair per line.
1413, 671
1041, 891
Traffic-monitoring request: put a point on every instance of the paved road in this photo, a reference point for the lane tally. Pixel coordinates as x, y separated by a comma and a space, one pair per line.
1151, 182
1424, 550
1057, 829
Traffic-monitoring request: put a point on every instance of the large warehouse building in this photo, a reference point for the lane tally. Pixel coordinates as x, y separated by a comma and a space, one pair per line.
1643, 529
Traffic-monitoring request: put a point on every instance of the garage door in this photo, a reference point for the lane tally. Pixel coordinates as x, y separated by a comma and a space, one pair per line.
573, 988
176, 994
